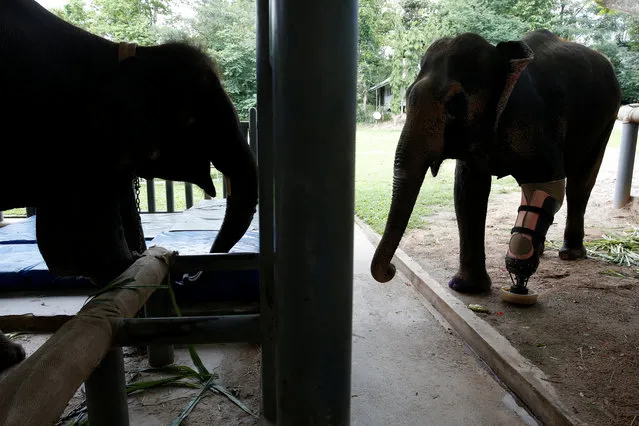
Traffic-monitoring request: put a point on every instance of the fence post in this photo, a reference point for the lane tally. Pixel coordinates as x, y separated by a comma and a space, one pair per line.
253, 129
150, 195
188, 194
170, 201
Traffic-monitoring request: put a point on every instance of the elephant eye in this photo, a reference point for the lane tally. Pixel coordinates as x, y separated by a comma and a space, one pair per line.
456, 106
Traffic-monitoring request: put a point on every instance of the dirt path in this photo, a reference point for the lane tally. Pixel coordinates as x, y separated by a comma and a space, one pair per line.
584, 332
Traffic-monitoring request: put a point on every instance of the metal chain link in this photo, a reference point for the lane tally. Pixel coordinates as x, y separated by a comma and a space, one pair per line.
136, 186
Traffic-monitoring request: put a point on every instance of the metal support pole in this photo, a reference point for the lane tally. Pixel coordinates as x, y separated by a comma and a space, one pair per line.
626, 163
159, 305
106, 392
170, 199
31, 211
150, 195
264, 145
314, 105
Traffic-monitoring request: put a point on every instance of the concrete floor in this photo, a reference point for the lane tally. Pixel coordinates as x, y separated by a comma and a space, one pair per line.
408, 366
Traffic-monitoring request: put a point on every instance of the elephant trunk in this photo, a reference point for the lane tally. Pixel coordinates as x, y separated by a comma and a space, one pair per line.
239, 166
411, 165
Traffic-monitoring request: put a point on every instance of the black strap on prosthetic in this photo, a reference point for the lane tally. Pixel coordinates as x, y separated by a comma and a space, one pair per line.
546, 217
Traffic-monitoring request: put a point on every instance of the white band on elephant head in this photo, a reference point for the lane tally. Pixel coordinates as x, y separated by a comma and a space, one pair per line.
125, 50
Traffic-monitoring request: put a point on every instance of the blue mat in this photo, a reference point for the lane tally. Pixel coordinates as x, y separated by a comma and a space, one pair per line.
22, 268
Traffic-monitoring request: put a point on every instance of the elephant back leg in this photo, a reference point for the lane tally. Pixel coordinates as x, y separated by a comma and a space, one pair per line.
579, 183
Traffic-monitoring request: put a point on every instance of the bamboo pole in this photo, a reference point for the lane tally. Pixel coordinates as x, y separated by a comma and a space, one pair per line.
36, 391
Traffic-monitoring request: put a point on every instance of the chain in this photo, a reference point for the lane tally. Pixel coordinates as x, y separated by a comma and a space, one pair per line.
136, 186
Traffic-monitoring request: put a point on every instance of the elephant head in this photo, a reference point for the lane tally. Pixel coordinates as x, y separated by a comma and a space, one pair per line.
452, 111
179, 118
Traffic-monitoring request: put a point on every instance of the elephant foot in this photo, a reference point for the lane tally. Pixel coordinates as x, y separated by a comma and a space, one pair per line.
10, 353
470, 286
566, 253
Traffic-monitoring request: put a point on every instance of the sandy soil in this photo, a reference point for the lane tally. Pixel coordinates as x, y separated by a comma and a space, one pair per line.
584, 331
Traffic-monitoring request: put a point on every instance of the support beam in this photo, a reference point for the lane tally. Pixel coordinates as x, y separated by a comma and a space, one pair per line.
106, 392
264, 145
314, 104
158, 305
215, 262
36, 391
190, 330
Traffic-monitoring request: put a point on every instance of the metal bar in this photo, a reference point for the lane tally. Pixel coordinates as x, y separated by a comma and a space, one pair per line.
626, 164
253, 129
314, 46
170, 199
1, 216
244, 126
150, 194
158, 305
215, 262
31, 211
106, 392
189, 330
263, 141
188, 193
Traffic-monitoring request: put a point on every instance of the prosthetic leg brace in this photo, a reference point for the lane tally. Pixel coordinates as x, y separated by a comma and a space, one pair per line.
539, 203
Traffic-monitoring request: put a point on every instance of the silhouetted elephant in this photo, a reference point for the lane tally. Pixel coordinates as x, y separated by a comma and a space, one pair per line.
540, 109
82, 116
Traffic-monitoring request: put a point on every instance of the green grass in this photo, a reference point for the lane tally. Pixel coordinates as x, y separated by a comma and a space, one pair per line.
375, 154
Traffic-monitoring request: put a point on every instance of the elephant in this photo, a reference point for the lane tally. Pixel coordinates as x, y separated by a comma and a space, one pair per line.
84, 116
539, 109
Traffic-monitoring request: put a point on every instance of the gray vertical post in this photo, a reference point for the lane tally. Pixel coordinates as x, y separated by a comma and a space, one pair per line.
188, 194
1, 216
170, 200
159, 305
264, 140
31, 211
106, 392
626, 163
150, 195
314, 105
253, 129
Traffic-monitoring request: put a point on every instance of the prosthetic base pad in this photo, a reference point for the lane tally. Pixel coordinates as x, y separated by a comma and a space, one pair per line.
518, 299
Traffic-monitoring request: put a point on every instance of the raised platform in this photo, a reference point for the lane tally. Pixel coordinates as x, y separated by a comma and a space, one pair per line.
22, 268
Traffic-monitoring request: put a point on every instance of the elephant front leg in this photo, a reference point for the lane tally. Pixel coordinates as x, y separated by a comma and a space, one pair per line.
472, 188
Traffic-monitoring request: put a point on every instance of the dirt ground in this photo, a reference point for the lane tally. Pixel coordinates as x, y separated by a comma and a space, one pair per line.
584, 330
236, 366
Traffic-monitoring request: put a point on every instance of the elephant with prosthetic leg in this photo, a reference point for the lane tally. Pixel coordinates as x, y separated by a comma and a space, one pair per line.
540, 109
84, 116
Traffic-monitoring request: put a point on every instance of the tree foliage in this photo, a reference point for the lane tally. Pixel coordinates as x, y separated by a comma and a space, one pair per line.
417, 23
227, 29
393, 34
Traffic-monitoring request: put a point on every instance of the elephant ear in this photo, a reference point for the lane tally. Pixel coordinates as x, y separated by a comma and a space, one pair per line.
518, 55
